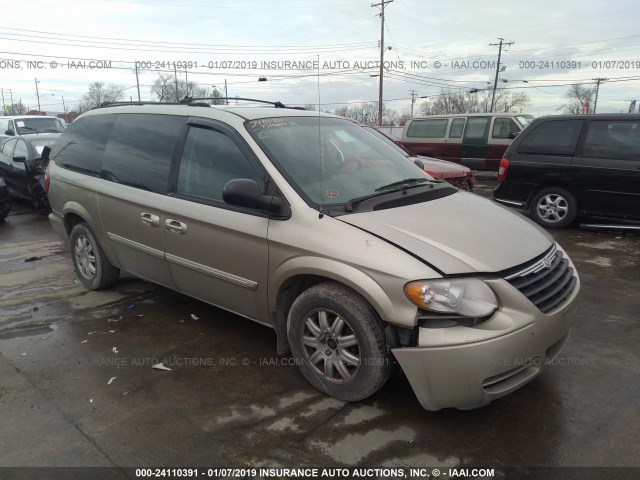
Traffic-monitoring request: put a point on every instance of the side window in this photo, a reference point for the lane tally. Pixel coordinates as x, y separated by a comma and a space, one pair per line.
556, 137
209, 160
618, 140
7, 147
81, 146
140, 149
477, 128
428, 128
21, 149
504, 127
457, 127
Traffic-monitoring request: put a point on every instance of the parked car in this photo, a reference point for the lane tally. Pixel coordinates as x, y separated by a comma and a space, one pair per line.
476, 140
14, 152
5, 201
565, 166
16, 125
454, 173
308, 224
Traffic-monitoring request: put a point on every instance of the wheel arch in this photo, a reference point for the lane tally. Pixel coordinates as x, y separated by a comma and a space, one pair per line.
295, 276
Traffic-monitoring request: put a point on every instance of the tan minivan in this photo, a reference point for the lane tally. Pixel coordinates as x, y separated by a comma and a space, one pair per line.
476, 140
310, 225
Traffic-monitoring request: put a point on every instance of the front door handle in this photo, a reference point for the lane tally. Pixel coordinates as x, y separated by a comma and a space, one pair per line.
150, 219
175, 226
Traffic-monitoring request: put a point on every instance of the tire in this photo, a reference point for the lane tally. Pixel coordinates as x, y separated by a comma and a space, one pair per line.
339, 342
89, 261
554, 207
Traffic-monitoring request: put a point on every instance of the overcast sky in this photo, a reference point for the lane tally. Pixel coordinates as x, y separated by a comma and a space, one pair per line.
433, 45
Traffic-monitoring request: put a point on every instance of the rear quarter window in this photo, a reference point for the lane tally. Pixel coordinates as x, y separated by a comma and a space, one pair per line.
428, 128
81, 146
555, 137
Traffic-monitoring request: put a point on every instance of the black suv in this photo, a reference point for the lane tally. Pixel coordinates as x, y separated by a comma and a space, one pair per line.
563, 166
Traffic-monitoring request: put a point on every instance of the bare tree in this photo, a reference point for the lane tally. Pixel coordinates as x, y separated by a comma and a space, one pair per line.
98, 94
577, 95
164, 89
473, 101
16, 109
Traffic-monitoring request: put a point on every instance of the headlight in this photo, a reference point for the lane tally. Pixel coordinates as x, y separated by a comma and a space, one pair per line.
469, 297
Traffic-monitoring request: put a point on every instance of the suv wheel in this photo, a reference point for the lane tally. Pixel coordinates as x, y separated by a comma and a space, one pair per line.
554, 207
91, 264
339, 342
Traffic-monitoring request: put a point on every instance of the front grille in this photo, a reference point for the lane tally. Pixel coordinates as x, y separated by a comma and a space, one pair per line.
547, 281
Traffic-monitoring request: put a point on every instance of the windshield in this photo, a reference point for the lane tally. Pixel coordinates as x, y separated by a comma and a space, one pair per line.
387, 140
40, 143
332, 161
525, 120
39, 125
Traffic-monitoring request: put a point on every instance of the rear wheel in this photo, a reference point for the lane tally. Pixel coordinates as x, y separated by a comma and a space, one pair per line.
91, 264
339, 341
554, 207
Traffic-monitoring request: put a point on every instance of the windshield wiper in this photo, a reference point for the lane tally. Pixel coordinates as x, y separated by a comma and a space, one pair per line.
392, 187
406, 183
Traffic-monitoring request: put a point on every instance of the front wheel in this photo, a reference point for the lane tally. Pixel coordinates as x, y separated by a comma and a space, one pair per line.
554, 207
89, 261
339, 342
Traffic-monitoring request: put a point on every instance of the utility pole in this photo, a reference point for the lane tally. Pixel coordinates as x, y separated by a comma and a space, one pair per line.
137, 82
413, 99
37, 94
495, 82
381, 5
226, 94
175, 75
64, 108
4, 107
598, 81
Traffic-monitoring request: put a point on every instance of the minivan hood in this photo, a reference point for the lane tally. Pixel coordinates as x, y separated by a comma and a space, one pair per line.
460, 233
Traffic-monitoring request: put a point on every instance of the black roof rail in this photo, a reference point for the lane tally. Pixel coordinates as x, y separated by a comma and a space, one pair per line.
275, 104
194, 102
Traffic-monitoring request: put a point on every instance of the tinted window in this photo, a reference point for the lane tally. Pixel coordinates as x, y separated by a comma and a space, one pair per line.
457, 127
612, 139
477, 128
7, 147
81, 146
21, 149
504, 127
209, 160
552, 138
431, 128
140, 149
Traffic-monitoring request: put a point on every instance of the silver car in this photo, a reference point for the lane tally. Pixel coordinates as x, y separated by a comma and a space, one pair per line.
310, 225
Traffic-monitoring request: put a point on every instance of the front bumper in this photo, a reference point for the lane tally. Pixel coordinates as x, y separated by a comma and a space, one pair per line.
464, 367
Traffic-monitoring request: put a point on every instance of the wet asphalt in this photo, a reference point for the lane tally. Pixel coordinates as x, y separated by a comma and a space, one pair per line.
77, 387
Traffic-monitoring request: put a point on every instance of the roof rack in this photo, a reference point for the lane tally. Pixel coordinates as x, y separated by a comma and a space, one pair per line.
195, 102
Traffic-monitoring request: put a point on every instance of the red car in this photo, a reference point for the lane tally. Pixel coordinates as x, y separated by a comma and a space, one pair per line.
457, 175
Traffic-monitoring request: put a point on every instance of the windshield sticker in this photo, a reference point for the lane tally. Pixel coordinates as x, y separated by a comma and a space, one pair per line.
20, 123
331, 193
262, 126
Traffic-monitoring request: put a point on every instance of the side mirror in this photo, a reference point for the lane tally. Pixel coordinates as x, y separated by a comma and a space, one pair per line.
244, 192
419, 163
45, 153
8, 132
513, 135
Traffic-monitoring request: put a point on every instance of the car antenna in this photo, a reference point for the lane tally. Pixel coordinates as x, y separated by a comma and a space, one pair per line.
321, 214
